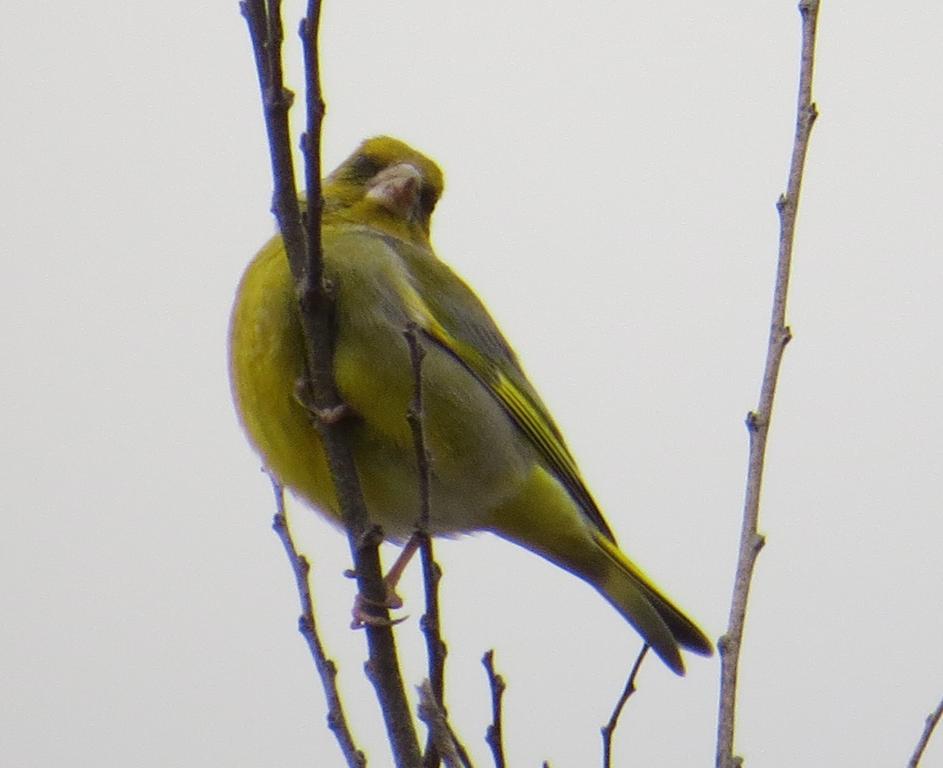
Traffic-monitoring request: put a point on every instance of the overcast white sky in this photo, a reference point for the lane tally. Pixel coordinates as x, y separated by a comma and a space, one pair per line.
612, 170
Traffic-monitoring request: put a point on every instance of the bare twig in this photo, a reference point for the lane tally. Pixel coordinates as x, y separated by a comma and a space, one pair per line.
609, 728
414, 416
435, 646
932, 719
311, 138
431, 573
316, 308
751, 542
447, 746
336, 720
494, 735
265, 30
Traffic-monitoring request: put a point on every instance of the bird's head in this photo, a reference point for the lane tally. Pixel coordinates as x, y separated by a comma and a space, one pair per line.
387, 185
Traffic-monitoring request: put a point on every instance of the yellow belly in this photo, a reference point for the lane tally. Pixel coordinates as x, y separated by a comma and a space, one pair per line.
477, 461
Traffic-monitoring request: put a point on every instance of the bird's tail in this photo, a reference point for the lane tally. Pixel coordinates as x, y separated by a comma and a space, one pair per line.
663, 626
543, 517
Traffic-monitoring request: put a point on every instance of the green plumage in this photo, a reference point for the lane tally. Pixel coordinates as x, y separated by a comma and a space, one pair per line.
499, 462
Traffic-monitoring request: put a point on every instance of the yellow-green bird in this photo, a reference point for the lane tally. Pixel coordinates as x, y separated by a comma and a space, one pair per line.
498, 461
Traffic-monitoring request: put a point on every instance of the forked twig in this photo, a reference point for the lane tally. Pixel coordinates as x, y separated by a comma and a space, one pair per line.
609, 728
447, 747
316, 311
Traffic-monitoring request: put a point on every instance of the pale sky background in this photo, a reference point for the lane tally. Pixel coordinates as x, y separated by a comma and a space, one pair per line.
612, 170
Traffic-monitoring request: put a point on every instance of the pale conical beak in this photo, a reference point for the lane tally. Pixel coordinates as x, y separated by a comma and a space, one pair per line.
397, 189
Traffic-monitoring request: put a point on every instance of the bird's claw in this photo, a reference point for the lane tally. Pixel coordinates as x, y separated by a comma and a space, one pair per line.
331, 415
363, 617
334, 414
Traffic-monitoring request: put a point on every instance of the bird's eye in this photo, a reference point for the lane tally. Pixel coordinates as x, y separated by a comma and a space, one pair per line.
364, 168
428, 197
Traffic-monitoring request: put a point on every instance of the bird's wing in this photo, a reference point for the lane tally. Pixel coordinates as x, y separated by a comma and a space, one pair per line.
459, 324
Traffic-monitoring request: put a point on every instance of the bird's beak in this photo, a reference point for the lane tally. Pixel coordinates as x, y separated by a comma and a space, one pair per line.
396, 188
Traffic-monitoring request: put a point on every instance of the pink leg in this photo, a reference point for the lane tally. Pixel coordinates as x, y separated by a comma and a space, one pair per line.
396, 572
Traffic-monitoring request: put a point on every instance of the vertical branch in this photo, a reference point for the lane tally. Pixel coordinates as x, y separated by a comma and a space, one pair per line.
415, 416
932, 719
435, 646
751, 542
316, 309
336, 719
311, 138
494, 736
265, 29
609, 728
431, 573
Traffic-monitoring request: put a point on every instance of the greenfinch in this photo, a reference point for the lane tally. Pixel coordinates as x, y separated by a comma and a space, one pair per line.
498, 461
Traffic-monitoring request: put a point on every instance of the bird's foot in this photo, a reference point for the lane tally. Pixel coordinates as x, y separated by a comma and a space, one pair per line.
334, 414
362, 605
331, 415
363, 616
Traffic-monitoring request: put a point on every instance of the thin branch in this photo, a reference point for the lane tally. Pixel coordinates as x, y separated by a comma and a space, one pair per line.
447, 745
494, 736
336, 720
932, 719
311, 138
609, 728
414, 416
265, 30
435, 646
316, 310
431, 573
751, 542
